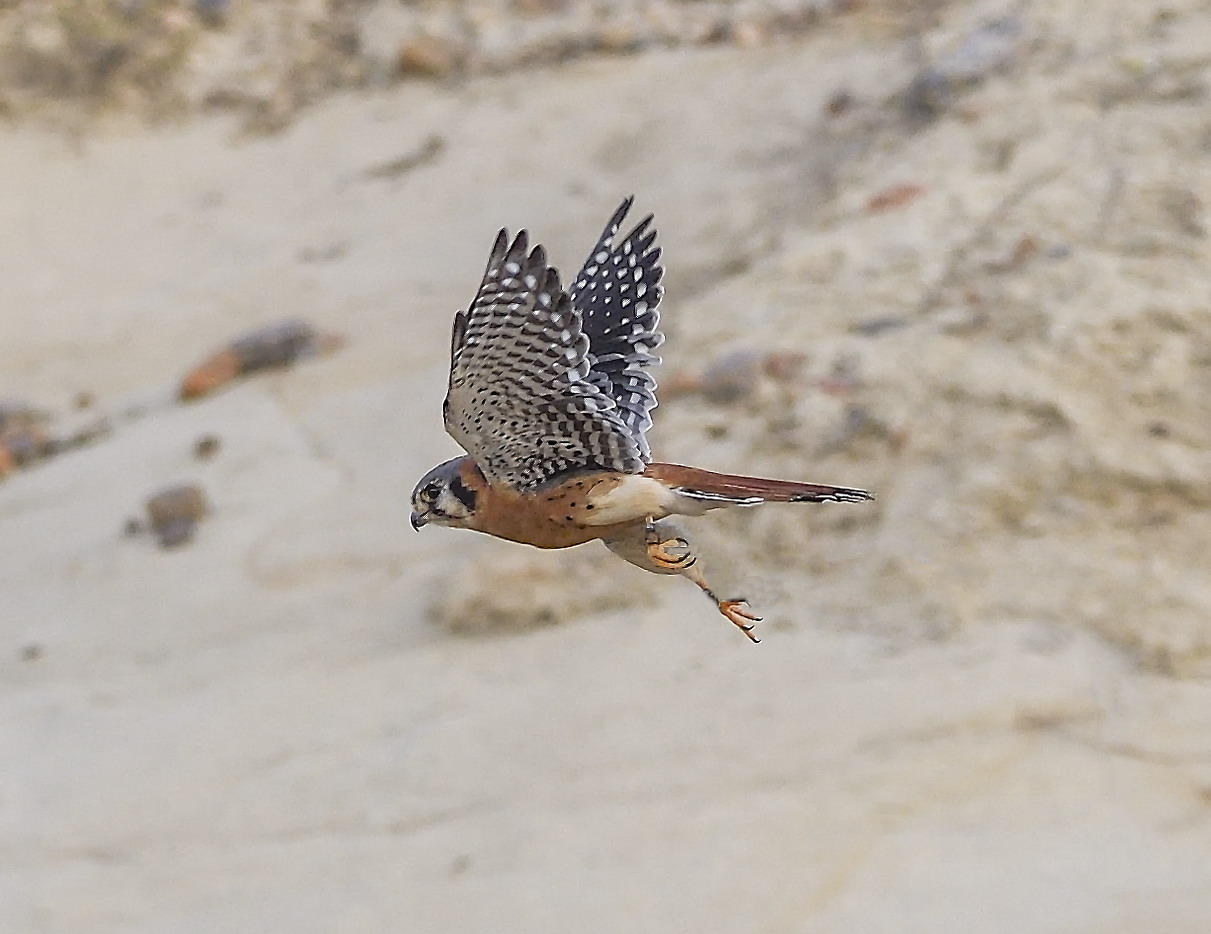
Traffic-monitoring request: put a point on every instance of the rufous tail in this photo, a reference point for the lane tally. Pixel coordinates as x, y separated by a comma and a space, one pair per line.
731, 489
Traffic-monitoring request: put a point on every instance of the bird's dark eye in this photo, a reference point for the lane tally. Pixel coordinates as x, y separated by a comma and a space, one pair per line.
430, 492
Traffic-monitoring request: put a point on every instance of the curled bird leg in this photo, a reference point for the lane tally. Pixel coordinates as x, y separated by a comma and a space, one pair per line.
669, 554
660, 547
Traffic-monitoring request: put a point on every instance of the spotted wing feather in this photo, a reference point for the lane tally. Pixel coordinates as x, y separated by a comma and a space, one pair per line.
522, 400
617, 294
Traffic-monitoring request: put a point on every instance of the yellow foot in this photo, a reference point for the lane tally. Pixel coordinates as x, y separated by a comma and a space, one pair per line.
672, 554
740, 615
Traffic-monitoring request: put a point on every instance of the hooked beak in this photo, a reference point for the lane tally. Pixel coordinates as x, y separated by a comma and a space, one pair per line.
418, 521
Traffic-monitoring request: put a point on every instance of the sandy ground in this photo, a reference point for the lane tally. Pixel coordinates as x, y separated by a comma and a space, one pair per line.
980, 705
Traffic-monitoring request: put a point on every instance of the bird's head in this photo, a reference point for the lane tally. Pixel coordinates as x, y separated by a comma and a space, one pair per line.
442, 497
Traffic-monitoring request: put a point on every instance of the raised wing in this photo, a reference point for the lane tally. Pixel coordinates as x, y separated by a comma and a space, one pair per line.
617, 294
522, 399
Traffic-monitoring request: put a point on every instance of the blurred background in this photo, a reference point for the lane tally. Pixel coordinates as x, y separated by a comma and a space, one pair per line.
955, 252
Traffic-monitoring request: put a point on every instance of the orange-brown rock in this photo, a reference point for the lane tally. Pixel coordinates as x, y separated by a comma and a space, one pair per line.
275, 345
202, 380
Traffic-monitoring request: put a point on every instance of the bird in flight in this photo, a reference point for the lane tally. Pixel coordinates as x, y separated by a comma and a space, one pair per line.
551, 396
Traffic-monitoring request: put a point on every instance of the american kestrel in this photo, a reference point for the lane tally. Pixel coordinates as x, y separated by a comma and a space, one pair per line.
551, 396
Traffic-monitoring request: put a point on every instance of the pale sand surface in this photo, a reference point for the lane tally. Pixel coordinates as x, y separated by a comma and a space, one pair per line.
980, 705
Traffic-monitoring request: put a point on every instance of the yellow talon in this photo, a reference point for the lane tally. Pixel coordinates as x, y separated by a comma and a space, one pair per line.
680, 559
740, 616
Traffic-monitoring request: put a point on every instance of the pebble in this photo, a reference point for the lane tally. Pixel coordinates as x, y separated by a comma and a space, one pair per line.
23, 444
206, 447
989, 47
894, 197
175, 512
213, 13
732, 376
429, 57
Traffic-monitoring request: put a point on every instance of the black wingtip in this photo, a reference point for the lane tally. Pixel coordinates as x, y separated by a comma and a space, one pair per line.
500, 246
837, 494
637, 233
619, 215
